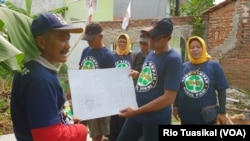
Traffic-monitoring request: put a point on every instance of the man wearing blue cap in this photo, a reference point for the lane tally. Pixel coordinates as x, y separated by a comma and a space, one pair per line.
156, 87
96, 56
37, 98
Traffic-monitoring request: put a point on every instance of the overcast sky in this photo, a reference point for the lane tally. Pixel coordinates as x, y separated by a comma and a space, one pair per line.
218, 1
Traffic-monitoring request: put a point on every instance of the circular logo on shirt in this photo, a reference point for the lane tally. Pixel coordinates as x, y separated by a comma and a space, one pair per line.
147, 78
89, 63
122, 64
195, 85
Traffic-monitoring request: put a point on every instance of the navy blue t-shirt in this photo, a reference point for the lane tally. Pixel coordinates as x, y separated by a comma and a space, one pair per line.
36, 99
198, 89
97, 58
159, 72
123, 60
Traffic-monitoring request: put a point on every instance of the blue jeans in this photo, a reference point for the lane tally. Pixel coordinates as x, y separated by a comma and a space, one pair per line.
133, 131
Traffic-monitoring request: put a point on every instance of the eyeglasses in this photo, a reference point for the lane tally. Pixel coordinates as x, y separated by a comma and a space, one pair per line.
195, 47
122, 41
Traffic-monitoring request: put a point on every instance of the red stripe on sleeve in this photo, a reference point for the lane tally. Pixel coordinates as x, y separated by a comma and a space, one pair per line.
60, 132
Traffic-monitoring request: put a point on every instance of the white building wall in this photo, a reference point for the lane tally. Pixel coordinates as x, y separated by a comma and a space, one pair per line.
39, 6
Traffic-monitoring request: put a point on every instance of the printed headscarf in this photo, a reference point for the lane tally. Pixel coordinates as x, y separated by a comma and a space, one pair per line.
128, 46
204, 57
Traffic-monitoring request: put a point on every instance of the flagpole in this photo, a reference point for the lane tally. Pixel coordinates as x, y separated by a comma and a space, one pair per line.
90, 12
127, 16
89, 19
82, 34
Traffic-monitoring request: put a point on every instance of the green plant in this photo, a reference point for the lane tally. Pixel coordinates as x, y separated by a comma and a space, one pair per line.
18, 9
19, 46
10, 57
63, 69
63, 77
195, 8
198, 27
65, 84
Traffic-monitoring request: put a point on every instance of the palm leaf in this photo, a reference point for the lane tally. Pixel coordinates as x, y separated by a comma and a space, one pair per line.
15, 8
18, 30
28, 6
10, 57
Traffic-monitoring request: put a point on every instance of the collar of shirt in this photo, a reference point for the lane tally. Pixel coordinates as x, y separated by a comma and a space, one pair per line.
46, 64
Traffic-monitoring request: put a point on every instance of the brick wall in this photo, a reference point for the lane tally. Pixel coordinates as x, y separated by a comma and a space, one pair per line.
228, 38
220, 25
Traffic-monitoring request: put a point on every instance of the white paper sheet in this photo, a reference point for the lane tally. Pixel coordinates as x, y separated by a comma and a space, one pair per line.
101, 92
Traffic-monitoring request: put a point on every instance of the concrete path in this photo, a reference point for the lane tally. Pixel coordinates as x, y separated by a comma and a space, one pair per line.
7, 137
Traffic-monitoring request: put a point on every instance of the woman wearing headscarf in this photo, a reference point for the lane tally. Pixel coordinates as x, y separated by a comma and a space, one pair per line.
123, 58
202, 96
123, 54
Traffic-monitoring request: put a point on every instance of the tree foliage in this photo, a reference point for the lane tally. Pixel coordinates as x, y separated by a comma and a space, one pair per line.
195, 8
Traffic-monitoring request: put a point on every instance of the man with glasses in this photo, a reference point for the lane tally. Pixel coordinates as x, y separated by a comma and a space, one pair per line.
156, 87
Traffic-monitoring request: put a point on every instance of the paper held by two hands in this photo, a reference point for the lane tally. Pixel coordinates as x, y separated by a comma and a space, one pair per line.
101, 92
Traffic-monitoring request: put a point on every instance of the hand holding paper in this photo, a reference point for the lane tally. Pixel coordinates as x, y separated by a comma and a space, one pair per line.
101, 92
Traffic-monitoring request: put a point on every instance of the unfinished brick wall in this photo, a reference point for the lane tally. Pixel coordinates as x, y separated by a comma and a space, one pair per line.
228, 38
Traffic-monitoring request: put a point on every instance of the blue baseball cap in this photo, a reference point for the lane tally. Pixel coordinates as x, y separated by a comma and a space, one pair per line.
159, 27
46, 22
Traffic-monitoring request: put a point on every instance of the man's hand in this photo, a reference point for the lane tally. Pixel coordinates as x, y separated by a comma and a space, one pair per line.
175, 113
128, 112
134, 74
223, 119
76, 120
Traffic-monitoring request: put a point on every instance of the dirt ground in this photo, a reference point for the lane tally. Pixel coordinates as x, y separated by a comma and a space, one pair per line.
5, 124
5, 118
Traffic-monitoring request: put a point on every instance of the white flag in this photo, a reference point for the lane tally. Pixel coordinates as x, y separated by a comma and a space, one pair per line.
90, 11
126, 17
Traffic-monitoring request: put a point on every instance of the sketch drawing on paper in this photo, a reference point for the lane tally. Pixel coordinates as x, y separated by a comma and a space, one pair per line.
101, 92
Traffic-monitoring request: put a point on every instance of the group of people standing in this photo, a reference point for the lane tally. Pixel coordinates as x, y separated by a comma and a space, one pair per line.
101, 57
161, 80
